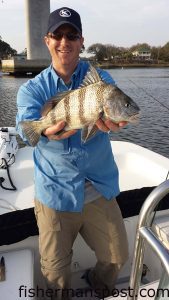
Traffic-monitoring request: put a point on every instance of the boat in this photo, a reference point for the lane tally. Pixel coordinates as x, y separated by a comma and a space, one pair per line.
144, 202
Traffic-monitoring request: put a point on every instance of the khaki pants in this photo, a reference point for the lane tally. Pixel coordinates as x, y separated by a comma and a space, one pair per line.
100, 224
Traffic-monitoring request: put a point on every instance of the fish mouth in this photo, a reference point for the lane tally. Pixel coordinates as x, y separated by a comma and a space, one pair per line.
134, 118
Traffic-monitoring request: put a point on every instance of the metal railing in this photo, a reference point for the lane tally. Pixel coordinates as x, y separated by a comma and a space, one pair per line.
144, 233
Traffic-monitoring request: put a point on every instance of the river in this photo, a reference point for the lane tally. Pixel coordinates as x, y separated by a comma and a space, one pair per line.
148, 87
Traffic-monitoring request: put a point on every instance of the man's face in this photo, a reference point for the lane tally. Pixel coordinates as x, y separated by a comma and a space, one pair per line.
64, 45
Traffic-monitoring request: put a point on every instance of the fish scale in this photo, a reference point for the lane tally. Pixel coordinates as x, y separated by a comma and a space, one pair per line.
67, 108
81, 100
90, 103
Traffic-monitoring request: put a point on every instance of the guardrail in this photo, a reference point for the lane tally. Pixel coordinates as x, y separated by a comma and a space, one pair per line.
144, 233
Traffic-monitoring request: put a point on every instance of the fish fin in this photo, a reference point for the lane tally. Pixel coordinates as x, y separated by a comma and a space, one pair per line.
92, 76
52, 102
88, 132
32, 130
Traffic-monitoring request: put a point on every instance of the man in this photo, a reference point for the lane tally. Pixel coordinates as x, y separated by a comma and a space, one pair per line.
75, 184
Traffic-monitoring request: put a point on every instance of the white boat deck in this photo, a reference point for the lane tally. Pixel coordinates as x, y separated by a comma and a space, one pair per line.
138, 167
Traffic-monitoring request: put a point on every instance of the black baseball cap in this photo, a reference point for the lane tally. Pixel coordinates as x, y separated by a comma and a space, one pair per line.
62, 16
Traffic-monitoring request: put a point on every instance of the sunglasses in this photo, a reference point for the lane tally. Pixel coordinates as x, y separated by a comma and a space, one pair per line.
59, 35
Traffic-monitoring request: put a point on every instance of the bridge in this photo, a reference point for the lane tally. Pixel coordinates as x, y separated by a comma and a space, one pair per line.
36, 13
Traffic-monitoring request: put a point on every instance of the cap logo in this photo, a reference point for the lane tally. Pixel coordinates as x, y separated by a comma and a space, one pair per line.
65, 13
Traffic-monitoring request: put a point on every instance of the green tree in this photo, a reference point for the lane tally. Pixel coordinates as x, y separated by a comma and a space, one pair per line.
107, 51
155, 51
140, 47
164, 52
6, 50
99, 50
113, 51
117, 54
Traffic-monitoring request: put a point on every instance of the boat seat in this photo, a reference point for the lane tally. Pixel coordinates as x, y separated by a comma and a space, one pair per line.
19, 279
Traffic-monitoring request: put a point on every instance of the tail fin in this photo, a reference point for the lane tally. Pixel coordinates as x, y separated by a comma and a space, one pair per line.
32, 130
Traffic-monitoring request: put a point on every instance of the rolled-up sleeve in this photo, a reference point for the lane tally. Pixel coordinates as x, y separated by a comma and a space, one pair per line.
29, 105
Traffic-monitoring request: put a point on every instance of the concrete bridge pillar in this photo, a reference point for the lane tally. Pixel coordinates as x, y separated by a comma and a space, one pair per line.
37, 12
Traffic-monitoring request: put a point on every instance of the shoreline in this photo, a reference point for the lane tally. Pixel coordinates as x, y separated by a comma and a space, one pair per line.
103, 65
130, 65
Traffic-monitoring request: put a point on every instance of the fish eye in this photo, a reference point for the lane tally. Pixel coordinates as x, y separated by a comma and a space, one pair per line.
127, 104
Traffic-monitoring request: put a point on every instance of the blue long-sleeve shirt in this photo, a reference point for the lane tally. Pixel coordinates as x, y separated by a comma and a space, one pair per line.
62, 167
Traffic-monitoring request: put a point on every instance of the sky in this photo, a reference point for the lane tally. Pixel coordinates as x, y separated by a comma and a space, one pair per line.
117, 22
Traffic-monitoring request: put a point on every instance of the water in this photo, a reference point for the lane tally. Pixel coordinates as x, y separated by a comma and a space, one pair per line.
8, 91
152, 131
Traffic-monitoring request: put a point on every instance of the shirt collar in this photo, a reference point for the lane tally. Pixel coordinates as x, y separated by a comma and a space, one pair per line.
58, 80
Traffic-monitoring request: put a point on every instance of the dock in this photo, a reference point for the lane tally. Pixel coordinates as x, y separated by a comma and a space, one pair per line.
24, 67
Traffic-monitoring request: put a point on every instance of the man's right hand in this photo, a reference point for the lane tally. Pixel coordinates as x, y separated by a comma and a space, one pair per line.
51, 132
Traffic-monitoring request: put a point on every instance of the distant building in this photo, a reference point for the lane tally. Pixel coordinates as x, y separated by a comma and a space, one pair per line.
142, 53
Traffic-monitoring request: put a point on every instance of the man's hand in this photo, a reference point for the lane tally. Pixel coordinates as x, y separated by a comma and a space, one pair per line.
108, 125
51, 132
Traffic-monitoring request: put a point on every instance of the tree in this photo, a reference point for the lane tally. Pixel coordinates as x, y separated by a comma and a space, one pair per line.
164, 52
155, 51
117, 54
6, 50
99, 50
112, 51
140, 47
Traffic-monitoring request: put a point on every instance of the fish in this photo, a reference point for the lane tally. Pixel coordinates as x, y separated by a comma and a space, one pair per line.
82, 107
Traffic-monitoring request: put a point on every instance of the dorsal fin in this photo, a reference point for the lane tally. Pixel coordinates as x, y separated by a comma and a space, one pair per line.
91, 77
52, 102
